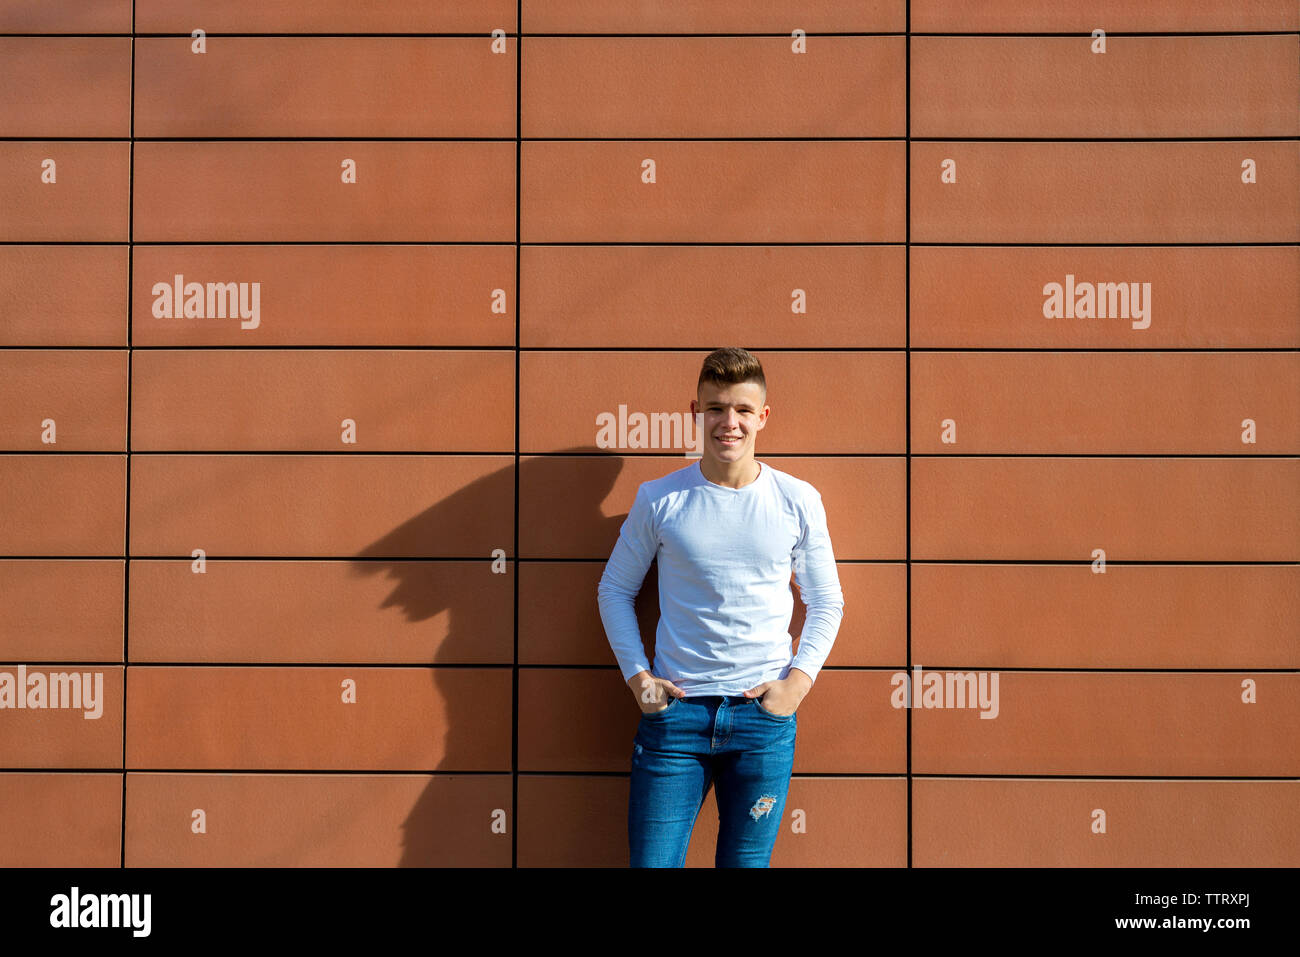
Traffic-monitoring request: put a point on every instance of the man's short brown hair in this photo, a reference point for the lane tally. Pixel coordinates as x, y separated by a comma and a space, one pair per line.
731, 367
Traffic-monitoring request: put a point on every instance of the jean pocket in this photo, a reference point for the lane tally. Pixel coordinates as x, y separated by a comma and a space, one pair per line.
772, 715
664, 710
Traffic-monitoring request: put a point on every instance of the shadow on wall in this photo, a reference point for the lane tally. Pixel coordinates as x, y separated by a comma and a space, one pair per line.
424, 589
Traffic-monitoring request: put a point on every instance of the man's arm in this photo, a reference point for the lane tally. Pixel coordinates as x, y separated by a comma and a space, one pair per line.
819, 587
621, 580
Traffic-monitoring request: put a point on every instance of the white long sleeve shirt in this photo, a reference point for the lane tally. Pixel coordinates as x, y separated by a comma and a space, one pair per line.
725, 557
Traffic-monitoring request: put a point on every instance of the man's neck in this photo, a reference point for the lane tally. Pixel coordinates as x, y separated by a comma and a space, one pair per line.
736, 474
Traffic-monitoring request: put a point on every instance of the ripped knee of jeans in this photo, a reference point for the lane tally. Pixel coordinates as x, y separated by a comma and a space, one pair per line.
762, 806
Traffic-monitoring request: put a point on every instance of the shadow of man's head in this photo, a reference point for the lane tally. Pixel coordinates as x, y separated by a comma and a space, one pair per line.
447, 573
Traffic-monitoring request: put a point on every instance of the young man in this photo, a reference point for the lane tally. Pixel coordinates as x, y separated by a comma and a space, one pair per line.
718, 706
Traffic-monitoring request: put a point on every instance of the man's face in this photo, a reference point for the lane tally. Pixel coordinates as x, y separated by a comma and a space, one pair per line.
732, 416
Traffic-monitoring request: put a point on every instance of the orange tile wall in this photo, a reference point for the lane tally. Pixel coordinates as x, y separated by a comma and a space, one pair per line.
336, 564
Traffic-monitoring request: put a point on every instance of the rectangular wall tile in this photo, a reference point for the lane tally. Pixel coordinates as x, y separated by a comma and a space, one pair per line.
1172, 402
717, 191
1133, 616
325, 86
325, 16
60, 820
1050, 87
60, 610
299, 718
696, 296
60, 716
371, 400
623, 401
1135, 509
1082, 723
398, 612
66, 86
324, 295
90, 205
1106, 192
714, 86
64, 295
62, 504
63, 400
710, 16
228, 191
1057, 823
1197, 297
317, 820
1030, 16
326, 506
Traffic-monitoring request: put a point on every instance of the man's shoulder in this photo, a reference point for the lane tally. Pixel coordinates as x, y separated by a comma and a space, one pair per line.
674, 481
791, 485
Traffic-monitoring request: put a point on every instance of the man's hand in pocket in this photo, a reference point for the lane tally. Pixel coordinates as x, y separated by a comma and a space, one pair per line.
652, 693
783, 696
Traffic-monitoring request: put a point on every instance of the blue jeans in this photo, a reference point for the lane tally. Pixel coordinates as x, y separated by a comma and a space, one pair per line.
694, 743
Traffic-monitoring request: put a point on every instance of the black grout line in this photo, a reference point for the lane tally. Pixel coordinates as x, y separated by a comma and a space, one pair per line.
615, 243
570, 350
907, 397
126, 544
1035, 776
579, 666
1073, 35
651, 138
326, 453
514, 568
571, 560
